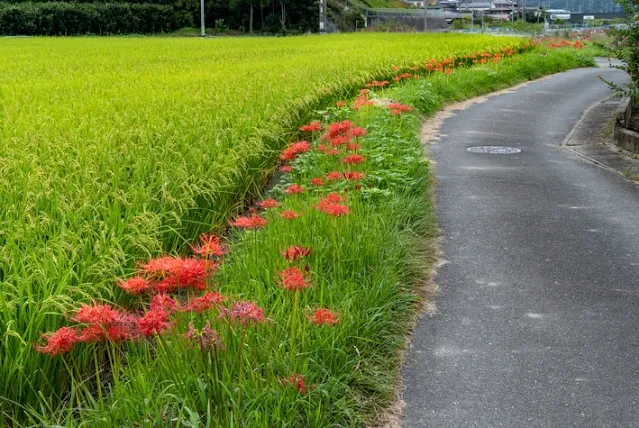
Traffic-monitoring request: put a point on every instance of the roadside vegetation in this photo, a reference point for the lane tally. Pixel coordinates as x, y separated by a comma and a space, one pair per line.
297, 313
120, 150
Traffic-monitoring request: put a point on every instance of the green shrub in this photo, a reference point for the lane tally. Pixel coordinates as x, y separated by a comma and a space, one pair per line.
61, 19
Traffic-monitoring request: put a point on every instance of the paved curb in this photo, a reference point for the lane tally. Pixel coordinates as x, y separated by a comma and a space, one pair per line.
592, 138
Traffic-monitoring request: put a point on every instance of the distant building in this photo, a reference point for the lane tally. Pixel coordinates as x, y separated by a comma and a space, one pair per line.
496, 9
558, 14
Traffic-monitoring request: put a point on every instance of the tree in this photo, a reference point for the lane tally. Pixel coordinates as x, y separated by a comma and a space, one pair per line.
626, 48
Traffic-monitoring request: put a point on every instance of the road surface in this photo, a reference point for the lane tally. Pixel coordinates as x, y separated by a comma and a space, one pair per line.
538, 311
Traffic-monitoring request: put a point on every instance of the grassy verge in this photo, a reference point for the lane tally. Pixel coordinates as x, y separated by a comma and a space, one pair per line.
366, 266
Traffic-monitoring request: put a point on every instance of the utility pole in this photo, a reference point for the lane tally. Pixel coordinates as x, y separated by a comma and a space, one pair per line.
322, 16
202, 27
425, 15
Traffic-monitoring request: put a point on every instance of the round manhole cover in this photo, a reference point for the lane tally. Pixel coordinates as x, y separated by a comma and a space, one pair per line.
494, 150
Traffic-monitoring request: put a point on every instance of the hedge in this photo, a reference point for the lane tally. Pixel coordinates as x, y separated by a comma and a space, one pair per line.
65, 19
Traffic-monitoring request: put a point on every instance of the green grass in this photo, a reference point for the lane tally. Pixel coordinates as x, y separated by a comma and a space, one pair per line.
113, 150
369, 267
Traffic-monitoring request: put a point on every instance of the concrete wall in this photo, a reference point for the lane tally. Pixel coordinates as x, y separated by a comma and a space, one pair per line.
434, 23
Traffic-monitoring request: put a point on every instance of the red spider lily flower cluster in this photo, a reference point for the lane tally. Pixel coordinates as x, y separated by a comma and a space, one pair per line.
353, 175
296, 381
333, 175
250, 222
330, 205
286, 169
156, 278
206, 338
293, 279
289, 215
398, 108
294, 189
353, 159
295, 252
318, 181
267, 203
324, 316
210, 246
173, 273
376, 84
314, 126
340, 104
402, 76
294, 150
204, 302
245, 313
362, 101
59, 342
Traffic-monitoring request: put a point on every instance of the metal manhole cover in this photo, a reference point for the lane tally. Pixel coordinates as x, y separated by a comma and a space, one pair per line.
494, 150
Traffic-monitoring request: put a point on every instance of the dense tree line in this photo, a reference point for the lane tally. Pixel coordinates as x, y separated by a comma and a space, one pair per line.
23, 17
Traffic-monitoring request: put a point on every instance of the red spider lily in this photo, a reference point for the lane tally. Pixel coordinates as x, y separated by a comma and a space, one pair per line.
267, 203
364, 91
289, 215
116, 333
395, 68
415, 67
286, 169
353, 175
153, 322
402, 76
324, 316
163, 302
98, 314
399, 106
340, 140
333, 175
204, 303
322, 148
332, 208
353, 147
358, 132
332, 197
295, 149
317, 181
59, 342
162, 266
209, 246
296, 380
362, 101
312, 127
377, 84
295, 252
208, 339
448, 71
135, 285
252, 222
293, 279
189, 273
340, 104
294, 189
333, 152
353, 159
245, 313
337, 129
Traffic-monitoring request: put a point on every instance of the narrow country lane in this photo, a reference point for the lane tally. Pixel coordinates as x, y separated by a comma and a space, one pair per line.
537, 321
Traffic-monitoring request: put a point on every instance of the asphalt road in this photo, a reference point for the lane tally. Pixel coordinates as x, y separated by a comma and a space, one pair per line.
538, 312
